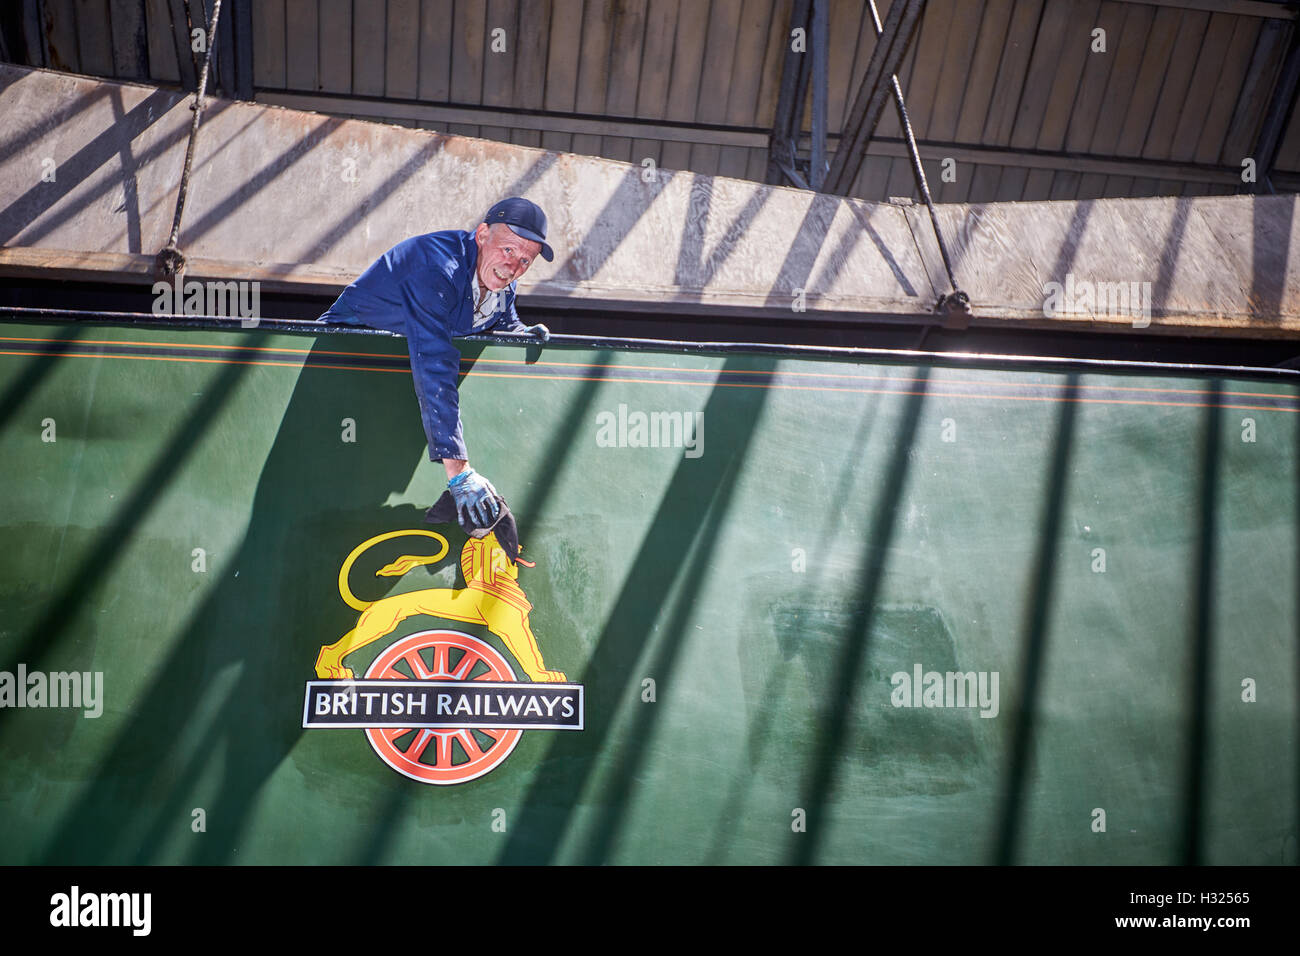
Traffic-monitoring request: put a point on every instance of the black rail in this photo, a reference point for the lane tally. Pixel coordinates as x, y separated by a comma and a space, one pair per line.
16, 314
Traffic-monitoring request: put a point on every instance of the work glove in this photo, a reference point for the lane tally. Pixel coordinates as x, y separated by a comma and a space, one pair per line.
475, 498
539, 330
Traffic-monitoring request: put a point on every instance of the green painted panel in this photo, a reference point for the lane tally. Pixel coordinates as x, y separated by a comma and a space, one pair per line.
1120, 553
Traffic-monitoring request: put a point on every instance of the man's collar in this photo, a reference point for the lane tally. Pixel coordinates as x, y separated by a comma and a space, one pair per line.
477, 290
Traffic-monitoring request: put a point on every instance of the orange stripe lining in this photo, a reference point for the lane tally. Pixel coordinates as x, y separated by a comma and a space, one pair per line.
652, 381
653, 368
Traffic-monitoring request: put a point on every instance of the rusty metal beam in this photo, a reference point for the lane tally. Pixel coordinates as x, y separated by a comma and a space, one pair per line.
891, 46
785, 126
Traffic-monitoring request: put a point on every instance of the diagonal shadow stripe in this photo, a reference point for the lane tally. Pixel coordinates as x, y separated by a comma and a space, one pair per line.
610, 673
611, 226
804, 249
1270, 254
278, 166
130, 194
821, 778
10, 146
1202, 634
115, 537
23, 212
694, 269
36, 370
774, 684
563, 438
301, 521
1043, 574
614, 801
842, 253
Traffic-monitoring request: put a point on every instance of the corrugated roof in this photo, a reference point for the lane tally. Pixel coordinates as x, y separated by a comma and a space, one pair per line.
1012, 90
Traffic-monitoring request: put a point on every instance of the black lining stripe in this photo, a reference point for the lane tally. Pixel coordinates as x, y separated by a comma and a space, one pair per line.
776, 378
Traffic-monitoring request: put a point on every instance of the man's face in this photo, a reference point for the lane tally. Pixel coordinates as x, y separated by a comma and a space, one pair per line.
502, 256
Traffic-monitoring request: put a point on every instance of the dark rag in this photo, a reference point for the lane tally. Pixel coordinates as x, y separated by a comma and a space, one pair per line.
444, 512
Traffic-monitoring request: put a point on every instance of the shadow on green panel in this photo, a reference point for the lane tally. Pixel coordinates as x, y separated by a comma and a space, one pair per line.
1037, 614
49, 633
317, 498
844, 663
685, 524
1202, 625
769, 619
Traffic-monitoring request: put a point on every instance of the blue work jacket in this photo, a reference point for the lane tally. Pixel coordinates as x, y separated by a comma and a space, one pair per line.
423, 288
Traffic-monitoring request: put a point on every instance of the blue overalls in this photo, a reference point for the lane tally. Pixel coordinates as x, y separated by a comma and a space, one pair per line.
423, 288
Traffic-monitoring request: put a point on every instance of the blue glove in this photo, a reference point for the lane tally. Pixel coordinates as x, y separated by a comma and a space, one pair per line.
475, 498
539, 330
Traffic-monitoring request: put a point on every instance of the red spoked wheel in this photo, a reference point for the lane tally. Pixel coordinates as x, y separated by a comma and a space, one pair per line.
442, 756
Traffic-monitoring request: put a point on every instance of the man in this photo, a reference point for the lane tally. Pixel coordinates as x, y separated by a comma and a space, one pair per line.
441, 285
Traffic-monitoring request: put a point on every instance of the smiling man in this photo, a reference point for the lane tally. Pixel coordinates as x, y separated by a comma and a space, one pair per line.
440, 286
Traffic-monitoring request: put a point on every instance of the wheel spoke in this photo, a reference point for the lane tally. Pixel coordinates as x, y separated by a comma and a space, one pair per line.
417, 665
465, 666
490, 675
416, 750
441, 659
472, 749
443, 758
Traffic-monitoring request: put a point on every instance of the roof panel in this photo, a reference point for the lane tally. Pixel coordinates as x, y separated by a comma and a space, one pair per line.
469, 37
955, 70
302, 44
852, 38
1135, 83
1012, 71
503, 38
562, 59
1226, 100
531, 53
1176, 84
747, 68
929, 43
1072, 54
402, 49
1207, 77
979, 86
334, 34
434, 82
369, 49
1177, 79
268, 44
1104, 71
1256, 91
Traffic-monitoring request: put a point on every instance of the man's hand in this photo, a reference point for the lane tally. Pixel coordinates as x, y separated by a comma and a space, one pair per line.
475, 498
539, 330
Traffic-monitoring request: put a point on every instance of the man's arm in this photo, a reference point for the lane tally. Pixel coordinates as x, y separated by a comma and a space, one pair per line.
431, 298
511, 323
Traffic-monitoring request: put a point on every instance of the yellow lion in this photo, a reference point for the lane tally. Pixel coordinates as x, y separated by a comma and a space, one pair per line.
491, 597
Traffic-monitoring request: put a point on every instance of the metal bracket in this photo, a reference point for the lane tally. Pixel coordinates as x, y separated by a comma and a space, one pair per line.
169, 262
955, 309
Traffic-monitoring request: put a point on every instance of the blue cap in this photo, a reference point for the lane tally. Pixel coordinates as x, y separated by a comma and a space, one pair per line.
524, 218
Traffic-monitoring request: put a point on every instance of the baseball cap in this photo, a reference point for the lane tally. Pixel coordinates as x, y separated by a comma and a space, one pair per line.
524, 218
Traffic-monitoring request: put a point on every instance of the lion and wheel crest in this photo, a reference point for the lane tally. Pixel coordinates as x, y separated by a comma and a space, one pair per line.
491, 597
433, 752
